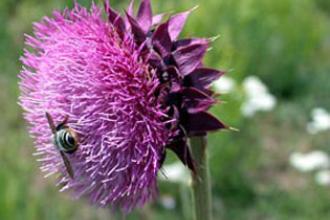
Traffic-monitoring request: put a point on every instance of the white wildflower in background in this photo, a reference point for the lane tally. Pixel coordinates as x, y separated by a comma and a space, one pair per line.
224, 85
167, 201
309, 161
322, 177
176, 173
320, 121
258, 97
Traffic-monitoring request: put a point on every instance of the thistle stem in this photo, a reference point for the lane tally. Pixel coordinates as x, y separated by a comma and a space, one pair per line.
201, 179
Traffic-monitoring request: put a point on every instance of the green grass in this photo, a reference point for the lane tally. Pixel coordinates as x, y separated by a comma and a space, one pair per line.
285, 42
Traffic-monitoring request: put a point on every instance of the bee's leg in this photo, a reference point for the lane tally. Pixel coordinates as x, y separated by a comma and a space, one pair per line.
63, 123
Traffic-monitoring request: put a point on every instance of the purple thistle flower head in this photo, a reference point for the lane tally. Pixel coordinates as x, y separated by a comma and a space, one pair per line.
120, 91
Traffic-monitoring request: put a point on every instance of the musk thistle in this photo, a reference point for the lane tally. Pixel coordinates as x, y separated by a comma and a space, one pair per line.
127, 87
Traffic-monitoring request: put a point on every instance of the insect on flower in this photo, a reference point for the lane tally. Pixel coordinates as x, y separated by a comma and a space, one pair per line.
65, 140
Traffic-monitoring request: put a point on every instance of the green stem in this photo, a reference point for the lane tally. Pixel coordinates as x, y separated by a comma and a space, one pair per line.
201, 179
186, 202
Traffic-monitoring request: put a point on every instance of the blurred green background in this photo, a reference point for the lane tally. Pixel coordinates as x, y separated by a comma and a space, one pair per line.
286, 43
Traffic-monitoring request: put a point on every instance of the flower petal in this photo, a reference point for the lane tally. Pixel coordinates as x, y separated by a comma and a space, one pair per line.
130, 9
157, 18
138, 32
189, 42
190, 57
201, 122
202, 77
173, 71
196, 101
114, 17
144, 16
176, 24
181, 149
155, 60
161, 39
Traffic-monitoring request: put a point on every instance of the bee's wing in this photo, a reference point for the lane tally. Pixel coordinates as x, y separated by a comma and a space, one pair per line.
51, 123
67, 164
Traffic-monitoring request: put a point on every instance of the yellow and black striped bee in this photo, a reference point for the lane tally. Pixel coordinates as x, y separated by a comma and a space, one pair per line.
65, 140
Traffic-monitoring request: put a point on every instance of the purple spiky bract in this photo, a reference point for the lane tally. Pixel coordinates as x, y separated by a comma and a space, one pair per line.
130, 91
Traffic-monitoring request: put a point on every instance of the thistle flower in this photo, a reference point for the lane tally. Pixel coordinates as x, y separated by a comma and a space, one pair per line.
128, 88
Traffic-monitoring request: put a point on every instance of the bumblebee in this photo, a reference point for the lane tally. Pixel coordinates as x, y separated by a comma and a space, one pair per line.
65, 140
